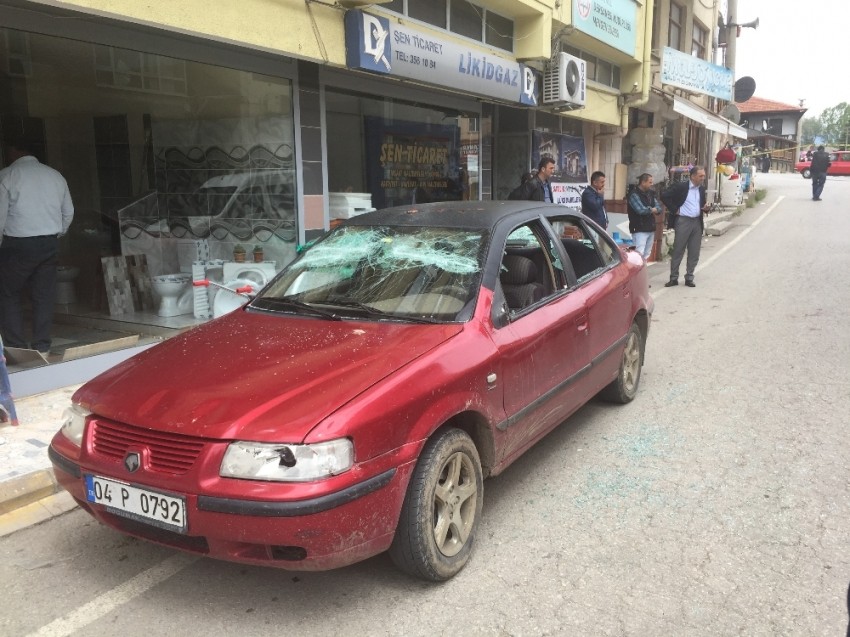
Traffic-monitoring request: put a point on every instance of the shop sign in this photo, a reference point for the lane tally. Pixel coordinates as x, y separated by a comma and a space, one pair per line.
414, 162
376, 44
696, 75
610, 21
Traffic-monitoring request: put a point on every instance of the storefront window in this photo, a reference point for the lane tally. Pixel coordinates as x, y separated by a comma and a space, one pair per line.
430, 11
395, 153
466, 19
500, 31
168, 161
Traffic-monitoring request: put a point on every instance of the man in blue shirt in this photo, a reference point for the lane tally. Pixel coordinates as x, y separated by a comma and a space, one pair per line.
686, 201
593, 201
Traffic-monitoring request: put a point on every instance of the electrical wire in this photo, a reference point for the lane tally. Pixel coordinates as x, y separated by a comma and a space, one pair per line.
321, 44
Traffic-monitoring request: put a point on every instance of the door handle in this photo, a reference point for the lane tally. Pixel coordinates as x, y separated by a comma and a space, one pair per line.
581, 323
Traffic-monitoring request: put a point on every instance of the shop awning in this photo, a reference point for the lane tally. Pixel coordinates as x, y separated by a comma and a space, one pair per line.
709, 120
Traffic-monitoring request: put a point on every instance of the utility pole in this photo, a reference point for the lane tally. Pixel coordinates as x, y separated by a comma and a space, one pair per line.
731, 35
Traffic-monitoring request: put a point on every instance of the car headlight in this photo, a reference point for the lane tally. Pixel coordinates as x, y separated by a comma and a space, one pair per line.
74, 423
287, 463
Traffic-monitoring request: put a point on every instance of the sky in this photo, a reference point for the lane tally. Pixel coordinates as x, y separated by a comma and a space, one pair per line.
798, 51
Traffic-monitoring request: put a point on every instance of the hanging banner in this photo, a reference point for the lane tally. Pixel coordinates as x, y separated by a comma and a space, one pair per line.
696, 75
570, 156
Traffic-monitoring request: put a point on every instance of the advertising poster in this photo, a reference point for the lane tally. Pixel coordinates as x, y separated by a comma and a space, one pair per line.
570, 156
409, 162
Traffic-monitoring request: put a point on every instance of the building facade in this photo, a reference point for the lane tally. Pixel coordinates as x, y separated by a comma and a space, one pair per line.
774, 131
682, 121
184, 133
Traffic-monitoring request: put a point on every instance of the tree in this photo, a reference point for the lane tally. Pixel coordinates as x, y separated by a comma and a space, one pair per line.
810, 129
833, 126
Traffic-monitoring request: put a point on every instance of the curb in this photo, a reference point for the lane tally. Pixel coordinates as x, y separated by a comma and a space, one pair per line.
24, 490
36, 512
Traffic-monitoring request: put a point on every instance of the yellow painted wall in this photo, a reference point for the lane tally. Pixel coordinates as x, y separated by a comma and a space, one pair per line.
311, 31
305, 30
315, 31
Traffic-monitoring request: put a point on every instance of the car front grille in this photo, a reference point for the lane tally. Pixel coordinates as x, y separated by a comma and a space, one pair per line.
169, 453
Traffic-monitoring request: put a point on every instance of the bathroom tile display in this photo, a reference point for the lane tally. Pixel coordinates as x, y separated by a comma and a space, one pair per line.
140, 282
202, 307
226, 182
128, 285
119, 294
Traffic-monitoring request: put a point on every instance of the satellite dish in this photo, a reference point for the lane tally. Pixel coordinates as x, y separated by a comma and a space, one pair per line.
744, 89
731, 112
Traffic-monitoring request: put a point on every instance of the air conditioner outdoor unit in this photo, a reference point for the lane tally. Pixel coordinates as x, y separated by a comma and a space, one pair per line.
565, 81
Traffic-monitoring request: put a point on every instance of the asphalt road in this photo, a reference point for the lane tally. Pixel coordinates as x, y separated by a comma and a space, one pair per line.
717, 503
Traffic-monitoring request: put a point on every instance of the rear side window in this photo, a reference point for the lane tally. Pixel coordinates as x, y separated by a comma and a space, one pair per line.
531, 270
589, 252
607, 249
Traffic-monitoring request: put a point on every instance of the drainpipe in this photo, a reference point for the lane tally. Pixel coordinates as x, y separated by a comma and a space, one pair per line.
646, 69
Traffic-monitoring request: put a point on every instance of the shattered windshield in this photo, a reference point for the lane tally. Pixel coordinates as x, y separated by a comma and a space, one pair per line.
383, 272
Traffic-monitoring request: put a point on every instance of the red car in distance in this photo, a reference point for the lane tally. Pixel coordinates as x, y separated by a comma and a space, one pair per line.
840, 165
357, 403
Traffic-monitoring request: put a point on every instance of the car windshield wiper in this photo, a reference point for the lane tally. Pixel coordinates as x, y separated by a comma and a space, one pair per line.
376, 312
270, 302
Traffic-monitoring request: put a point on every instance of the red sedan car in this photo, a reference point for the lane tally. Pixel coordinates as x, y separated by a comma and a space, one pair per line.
840, 165
356, 404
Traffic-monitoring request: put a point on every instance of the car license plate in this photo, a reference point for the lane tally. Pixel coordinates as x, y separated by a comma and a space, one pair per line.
152, 507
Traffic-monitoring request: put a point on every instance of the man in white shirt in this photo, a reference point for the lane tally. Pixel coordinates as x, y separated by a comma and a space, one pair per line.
687, 202
35, 210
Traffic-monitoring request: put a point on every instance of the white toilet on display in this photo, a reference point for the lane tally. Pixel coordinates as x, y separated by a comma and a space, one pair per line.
176, 294
238, 275
66, 293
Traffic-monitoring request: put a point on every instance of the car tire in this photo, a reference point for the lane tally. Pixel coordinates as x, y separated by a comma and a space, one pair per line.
807, 174
441, 510
624, 388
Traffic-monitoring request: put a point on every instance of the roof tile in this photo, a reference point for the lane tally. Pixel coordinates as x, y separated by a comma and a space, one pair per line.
761, 105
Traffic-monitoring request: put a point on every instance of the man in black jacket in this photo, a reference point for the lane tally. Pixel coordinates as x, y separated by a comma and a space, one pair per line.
537, 188
820, 164
687, 202
643, 208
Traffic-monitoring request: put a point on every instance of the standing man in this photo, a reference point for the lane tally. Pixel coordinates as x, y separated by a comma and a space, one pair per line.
593, 201
643, 210
686, 201
820, 164
35, 209
538, 188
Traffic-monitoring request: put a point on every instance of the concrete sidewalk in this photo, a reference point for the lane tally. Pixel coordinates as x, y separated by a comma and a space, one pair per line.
29, 493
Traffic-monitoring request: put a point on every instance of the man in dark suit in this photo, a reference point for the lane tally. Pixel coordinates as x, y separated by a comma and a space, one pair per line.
820, 164
687, 202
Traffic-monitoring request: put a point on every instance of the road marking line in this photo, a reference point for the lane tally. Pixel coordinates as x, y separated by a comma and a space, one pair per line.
729, 245
107, 602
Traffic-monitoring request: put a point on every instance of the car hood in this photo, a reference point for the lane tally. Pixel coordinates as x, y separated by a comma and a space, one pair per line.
257, 377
